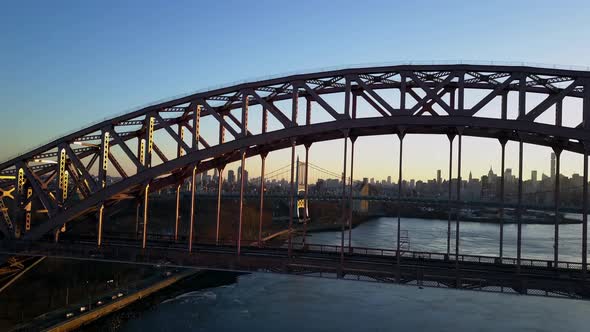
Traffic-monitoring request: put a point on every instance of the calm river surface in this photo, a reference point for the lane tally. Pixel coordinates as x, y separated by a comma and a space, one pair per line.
267, 302
475, 238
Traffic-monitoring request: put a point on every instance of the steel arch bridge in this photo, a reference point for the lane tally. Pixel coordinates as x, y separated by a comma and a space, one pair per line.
162, 145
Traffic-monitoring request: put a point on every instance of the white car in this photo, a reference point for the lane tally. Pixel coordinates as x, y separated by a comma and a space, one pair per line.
120, 295
82, 309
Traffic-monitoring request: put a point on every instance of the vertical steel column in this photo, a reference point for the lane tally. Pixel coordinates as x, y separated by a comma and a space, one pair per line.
261, 216
402, 92
137, 219
307, 146
585, 215
100, 215
196, 127
177, 220
219, 191
343, 199
179, 150
244, 133
242, 181
451, 137
179, 153
192, 219
102, 176
521, 113
262, 171
291, 197
352, 140
63, 177
305, 198
557, 202
502, 185
519, 208
150, 140
146, 197
103, 159
457, 221
19, 192
461, 94
294, 111
585, 125
399, 203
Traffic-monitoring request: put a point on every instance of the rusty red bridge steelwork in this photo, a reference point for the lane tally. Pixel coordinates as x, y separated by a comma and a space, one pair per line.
68, 177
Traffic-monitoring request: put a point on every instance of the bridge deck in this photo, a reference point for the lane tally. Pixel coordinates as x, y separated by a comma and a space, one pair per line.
421, 268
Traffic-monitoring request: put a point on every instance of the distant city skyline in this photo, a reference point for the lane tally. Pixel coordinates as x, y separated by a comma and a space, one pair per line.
51, 86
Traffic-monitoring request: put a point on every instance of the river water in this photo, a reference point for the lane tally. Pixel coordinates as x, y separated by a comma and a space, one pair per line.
475, 238
268, 302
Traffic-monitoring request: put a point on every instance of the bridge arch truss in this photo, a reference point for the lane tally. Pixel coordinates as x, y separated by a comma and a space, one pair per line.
161, 145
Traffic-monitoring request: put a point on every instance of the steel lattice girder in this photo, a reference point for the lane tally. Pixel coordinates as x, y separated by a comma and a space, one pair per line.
427, 84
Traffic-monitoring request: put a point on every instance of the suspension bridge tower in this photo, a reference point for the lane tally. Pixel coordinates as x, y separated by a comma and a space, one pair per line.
302, 202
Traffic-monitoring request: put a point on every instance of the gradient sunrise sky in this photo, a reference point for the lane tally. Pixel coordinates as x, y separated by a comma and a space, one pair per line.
64, 64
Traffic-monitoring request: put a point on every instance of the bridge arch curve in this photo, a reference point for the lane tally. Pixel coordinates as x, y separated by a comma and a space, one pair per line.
429, 99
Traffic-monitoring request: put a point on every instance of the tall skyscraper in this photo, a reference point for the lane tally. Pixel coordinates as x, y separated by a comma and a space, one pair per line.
389, 179
534, 176
240, 175
231, 176
438, 177
552, 165
508, 175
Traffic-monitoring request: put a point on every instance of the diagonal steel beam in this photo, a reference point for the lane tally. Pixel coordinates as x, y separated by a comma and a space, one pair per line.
432, 93
78, 183
237, 122
322, 102
375, 96
48, 179
283, 119
159, 152
413, 94
440, 91
172, 133
47, 202
117, 166
219, 118
550, 100
371, 102
125, 148
80, 167
493, 94
92, 161
428, 107
201, 139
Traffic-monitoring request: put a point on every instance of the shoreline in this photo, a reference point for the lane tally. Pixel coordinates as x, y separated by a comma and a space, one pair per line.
330, 227
108, 309
195, 282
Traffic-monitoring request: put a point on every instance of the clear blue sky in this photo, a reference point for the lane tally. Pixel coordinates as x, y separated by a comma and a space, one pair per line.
64, 64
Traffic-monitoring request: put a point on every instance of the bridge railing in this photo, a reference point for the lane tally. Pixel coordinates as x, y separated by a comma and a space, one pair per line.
328, 248
527, 262
83, 247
